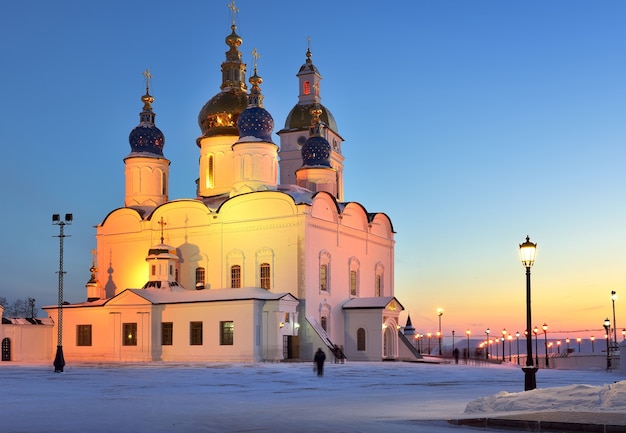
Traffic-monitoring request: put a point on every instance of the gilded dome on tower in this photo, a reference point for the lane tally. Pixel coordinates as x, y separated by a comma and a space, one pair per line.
219, 115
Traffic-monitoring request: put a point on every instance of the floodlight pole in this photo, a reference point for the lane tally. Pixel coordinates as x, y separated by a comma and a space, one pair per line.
59, 361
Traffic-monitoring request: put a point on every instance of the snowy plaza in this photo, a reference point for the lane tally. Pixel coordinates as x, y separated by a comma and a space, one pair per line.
287, 397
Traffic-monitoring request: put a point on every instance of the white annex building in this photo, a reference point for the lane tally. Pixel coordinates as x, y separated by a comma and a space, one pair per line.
256, 266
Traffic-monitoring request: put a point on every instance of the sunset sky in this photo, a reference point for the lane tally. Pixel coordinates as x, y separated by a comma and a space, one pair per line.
470, 123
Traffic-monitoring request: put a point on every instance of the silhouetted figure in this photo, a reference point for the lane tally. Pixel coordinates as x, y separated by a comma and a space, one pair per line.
319, 359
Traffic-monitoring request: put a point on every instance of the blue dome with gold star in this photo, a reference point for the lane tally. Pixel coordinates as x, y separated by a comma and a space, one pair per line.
146, 137
316, 152
255, 123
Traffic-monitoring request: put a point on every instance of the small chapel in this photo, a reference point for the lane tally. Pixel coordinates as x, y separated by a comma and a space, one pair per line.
266, 262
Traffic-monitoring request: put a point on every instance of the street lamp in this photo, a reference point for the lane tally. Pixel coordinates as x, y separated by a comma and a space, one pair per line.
439, 313
510, 338
503, 338
487, 331
613, 298
607, 325
567, 341
429, 334
536, 331
558, 347
468, 332
578, 340
59, 361
527, 252
593, 339
517, 337
545, 337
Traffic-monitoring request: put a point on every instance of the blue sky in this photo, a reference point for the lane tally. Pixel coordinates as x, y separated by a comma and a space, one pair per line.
470, 123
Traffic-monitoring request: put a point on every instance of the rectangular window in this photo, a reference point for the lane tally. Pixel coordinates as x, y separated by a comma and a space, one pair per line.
265, 276
130, 334
200, 276
167, 332
195, 333
324, 277
378, 286
83, 335
227, 333
235, 277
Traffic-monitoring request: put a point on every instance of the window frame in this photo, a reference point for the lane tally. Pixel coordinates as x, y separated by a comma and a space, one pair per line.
167, 333
227, 333
84, 335
129, 334
195, 333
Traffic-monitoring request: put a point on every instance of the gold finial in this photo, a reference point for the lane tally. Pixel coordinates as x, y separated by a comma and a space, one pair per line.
148, 76
256, 56
233, 10
308, 48
162, 224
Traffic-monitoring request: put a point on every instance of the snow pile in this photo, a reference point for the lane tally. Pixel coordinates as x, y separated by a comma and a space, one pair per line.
610, 397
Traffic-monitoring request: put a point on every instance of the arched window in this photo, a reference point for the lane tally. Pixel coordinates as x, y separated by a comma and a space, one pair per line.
200, 278
235, 277
378, 287
306, 88
352, 283
324, 277
378, 282
265, 278
324, 323
360, 340
210, 172
354, 276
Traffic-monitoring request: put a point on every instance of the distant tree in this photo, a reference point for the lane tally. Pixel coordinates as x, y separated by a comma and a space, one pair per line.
3, 301
20, 308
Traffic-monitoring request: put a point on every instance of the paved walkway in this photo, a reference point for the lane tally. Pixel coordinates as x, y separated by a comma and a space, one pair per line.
560, 421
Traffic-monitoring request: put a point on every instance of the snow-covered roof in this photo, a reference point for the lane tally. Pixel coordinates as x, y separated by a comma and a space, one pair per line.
157, 296
27, 321
376, 302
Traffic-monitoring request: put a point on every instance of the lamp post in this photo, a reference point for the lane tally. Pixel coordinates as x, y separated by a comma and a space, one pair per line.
613, 298
545, 340
453, 342
578, 340
607, 327
517, 337
567, 341
558, 347
527, 252
510, 338
59, 361
487, 331
468, 332
593, 339
439, 313
429, 334
536, 331
503, 339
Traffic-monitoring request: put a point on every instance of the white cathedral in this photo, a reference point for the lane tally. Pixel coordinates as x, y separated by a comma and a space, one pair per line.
256, 267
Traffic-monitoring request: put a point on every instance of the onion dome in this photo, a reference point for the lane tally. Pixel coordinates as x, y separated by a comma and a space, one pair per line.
146, 137
316, 149
219, 115
255, 123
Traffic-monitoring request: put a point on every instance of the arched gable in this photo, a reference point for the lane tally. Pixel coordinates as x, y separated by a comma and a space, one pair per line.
381, 226
179, 214
122, 220
354, 216
325, 207
258, 205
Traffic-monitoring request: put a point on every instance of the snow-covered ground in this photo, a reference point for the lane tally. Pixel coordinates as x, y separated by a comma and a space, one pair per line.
288, 397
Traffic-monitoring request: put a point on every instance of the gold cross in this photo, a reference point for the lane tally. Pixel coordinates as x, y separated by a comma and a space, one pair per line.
162, 224
148, 75
233, 10
256, 56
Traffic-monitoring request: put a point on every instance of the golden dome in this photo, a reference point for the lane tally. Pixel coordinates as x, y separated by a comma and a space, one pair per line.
300, 117
219, 115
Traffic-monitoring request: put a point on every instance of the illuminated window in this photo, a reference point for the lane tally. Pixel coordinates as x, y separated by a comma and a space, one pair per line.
235, 277
352, 283
130, 334
265, 276
324, 277
83, 335
227, 333
360, 340
167, 333
195, 333
210, 173
324, 323
200, 278
306, 88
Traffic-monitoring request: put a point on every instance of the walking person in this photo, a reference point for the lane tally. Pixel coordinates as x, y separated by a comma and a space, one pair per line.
319, 359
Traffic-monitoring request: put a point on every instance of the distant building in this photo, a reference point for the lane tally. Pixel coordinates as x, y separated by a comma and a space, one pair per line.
25, 339
251, 268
